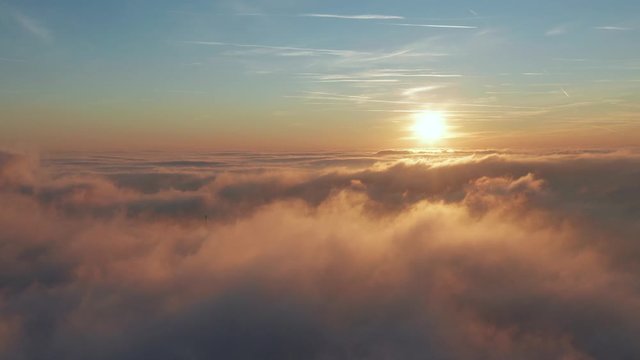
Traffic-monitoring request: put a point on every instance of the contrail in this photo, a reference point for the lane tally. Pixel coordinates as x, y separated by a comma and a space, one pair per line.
444, 26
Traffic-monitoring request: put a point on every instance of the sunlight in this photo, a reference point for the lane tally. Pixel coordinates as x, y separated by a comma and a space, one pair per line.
429, 126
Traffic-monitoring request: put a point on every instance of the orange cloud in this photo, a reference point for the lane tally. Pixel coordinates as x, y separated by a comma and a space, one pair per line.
454, 256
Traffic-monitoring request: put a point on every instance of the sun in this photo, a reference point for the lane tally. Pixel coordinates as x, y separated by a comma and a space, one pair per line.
429, 126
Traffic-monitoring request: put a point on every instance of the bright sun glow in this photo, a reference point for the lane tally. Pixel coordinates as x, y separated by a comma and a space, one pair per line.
429, 126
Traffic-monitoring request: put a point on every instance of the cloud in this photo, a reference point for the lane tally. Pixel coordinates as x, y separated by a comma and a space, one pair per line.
355, 17
13, 60
558, 30
33, 27
440, 26
613, 28
285, 50
396, 254
421, 89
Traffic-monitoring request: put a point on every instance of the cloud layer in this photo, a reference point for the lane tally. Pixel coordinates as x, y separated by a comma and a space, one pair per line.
483, 255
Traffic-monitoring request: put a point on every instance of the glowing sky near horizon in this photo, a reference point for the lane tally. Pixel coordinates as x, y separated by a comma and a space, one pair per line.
284, 74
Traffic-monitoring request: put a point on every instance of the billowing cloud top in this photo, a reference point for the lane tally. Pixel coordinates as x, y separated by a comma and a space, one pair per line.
402, 255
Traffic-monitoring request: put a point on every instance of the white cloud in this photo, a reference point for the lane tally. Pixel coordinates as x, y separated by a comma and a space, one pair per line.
284, 50
33, 27
558, 30
441, 26
613, 28
355, 17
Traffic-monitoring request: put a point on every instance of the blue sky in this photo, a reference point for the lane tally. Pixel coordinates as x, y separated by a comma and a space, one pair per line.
277, 70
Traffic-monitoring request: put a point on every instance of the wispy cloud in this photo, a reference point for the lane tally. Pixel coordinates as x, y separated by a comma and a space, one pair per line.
355, 17
421, 89
379, 75
33, 27
558, 30
346, 57
182, 91
319, 95
571, 59
288, 50
437, 26
6, 59
388, 55
355, 80
613, 28
358, 99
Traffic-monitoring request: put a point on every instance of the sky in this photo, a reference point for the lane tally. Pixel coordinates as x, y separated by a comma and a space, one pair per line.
317, 75
284, 179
